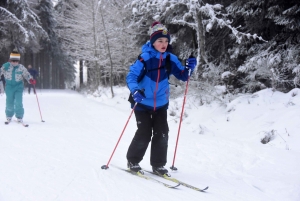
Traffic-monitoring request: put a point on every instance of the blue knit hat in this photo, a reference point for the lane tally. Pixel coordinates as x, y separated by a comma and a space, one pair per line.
158, 30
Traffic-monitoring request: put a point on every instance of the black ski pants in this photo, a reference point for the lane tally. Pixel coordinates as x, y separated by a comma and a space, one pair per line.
29, 88
150, 125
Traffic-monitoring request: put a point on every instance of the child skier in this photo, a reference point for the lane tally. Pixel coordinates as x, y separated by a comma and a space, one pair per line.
14, 73
148, 83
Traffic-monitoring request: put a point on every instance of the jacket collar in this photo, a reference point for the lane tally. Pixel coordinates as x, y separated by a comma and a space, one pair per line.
148, 48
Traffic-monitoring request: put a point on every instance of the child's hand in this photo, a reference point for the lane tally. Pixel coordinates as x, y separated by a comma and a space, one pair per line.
191, 63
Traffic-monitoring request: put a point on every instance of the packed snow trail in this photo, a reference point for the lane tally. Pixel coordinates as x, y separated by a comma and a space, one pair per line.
61, 158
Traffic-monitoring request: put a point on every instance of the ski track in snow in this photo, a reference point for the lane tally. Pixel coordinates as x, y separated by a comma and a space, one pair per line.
61, 158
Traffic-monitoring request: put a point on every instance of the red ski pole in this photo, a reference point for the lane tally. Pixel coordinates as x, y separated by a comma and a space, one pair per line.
38, 102
106, 166
185, 92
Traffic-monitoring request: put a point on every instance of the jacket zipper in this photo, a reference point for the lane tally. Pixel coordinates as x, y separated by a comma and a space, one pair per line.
157, 80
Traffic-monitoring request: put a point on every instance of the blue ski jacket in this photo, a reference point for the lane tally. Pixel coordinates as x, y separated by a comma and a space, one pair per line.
151, 67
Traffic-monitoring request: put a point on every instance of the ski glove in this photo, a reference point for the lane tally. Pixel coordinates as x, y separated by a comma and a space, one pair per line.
32, 81
138, 96
191, 63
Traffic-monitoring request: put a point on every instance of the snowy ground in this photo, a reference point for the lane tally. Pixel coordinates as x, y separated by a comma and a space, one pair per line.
219, 146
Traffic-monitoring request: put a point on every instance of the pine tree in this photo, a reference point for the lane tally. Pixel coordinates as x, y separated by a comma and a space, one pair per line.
59, 68
188, 21
19, 27
276, 63
197, 27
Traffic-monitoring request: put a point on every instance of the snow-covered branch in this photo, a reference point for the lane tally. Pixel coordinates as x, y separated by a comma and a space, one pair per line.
10, 19
211, 11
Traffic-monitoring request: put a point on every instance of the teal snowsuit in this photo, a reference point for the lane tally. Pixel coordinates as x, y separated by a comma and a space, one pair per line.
14, 76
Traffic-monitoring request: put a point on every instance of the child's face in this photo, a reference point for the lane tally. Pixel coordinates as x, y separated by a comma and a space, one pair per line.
161, 44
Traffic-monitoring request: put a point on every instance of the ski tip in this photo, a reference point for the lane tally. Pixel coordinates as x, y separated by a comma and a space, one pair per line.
203, 190
173, 186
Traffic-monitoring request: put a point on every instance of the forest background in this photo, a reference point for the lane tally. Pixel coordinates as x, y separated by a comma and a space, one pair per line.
244, 45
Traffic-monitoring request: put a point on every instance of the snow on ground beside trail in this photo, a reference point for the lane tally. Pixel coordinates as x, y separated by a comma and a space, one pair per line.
219, 146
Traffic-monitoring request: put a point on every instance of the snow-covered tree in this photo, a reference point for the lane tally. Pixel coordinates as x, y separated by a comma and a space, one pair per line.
186, 19
276, 63
93, 31
59, 68
19, 27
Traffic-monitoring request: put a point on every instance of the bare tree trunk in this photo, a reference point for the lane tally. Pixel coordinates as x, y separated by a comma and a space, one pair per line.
109, 54
50, 72
46, 71
80, 73
200, 42
41, 70
97, 70
61, 78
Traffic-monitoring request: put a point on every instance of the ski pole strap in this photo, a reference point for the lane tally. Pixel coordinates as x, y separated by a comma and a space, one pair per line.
167, 66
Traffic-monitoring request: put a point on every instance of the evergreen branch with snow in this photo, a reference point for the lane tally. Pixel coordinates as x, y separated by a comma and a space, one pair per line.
10, 19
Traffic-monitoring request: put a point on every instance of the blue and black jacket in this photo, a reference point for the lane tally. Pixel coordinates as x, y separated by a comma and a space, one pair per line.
154, 77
